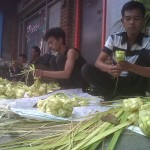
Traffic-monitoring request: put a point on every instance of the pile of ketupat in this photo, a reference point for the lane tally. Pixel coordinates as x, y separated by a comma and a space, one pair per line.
60, 104
13, 90
139, 113
86, 134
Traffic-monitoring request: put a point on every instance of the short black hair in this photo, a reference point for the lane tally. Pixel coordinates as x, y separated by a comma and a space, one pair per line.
23, 55
133, 5
57, 33
37, 49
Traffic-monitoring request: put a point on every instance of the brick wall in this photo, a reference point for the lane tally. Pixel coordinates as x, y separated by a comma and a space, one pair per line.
68, 20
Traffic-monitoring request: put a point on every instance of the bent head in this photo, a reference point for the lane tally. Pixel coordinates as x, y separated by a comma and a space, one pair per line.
22, 58
133, 13
35, 52
56, 38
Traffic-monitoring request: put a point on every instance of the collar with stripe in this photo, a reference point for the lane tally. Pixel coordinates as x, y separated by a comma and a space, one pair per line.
138, 41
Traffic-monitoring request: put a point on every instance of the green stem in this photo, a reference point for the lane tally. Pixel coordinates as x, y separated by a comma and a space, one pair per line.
117, 133
116, 86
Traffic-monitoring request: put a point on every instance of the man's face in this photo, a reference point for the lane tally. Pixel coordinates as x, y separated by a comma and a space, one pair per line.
20, 59
133, 21
55, 44
33, 53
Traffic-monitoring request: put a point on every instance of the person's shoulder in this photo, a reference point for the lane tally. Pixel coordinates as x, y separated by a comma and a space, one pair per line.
74, 49
116, 34
73, 52
37, 60
145, 41
46, 55
146, 38
119, 34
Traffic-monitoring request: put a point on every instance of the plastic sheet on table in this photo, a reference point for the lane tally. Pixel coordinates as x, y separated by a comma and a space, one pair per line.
25, 107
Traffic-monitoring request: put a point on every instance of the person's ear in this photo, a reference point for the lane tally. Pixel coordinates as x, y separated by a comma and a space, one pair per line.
122, 21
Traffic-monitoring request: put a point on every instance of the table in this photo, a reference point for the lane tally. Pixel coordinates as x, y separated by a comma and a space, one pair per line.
129, 141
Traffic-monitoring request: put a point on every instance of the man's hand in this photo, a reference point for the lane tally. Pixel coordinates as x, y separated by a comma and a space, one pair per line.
38, 73
125, 65
115, 70
137, 69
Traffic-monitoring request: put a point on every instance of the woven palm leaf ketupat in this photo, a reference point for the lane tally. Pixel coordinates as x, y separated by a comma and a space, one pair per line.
132, 104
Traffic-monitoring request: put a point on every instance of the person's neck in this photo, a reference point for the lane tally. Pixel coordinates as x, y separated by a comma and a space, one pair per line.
132, 38
36, 57
24, 61
62, 49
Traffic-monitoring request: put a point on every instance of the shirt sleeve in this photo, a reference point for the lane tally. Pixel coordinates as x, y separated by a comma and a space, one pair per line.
147, 55
144, 58
108, 47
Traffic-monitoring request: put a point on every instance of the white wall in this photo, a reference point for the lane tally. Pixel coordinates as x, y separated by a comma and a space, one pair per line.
113, 14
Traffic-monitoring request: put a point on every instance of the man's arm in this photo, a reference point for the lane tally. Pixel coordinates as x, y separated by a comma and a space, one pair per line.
72, 55
100, 62
114, 70
140, 70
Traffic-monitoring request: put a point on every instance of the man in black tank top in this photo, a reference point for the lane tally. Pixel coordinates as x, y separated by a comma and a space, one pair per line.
66, 65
